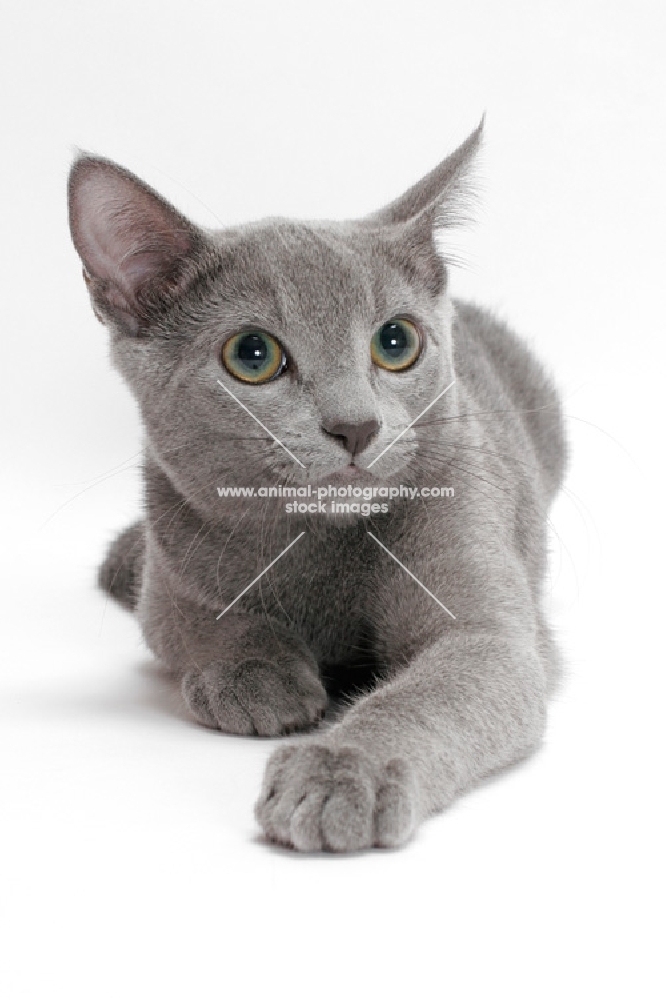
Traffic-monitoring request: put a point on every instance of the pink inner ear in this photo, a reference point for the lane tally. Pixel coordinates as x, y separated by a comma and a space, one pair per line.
125, 234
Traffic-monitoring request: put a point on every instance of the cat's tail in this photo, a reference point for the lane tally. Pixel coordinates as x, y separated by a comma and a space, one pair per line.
120, 573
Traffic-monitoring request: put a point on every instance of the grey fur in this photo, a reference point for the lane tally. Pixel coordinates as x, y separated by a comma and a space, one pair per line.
453, 700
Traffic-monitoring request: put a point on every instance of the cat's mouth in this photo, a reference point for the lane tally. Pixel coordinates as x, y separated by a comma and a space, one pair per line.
350, 473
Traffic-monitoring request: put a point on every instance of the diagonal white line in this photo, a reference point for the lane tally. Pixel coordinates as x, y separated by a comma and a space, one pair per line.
258, 577
409, 572
262, 425
408, 426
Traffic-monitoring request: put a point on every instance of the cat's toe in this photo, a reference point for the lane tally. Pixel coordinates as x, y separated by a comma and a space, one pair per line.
347, 814
292, 773
395, 806
195, 694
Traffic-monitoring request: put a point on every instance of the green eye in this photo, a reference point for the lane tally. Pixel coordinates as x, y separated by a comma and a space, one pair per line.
396, 345
253, 356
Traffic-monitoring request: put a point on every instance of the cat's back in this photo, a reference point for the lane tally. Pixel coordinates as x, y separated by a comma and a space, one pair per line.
499, 368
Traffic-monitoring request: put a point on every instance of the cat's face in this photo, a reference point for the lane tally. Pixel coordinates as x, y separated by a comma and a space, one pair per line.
333, 336
309, 299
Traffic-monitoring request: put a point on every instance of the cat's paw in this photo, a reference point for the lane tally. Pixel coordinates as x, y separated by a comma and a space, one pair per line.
315, 798
256, 697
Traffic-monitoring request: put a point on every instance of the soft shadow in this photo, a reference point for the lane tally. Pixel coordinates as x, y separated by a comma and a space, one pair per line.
282, 851
161, 692
144, 690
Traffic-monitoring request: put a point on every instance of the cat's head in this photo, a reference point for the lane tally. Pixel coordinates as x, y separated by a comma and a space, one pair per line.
332, 336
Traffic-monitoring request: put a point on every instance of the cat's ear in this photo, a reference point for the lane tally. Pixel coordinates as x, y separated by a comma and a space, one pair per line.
138, 253
440, 200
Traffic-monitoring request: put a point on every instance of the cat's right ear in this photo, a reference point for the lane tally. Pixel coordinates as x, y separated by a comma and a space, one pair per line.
138, 253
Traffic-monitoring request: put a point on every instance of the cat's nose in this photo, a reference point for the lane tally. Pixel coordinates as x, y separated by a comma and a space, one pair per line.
356, 437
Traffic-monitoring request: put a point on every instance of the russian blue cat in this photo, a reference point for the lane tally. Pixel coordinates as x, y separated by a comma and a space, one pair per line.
295, 354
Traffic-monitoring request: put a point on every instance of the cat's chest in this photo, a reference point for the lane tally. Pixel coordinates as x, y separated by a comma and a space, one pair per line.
323, 587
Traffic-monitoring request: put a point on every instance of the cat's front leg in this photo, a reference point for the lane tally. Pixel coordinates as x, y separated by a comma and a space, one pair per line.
466, 705
244, 674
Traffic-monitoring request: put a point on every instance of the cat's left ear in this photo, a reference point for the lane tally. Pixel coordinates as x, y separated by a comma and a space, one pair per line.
440, 200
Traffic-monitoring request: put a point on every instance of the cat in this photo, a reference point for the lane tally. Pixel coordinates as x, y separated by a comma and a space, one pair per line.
290, 353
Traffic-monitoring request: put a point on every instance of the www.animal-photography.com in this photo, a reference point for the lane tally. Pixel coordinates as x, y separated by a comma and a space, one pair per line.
332, 528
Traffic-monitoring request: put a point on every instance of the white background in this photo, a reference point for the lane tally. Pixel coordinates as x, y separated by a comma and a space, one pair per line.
131, 865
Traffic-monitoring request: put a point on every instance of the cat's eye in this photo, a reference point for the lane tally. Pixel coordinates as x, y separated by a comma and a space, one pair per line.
253, 356
396, 345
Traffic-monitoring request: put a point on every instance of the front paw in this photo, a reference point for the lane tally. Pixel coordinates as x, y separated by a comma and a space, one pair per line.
315, 798
256, 697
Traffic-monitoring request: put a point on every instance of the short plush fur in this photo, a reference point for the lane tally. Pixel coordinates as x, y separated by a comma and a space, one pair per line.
450, 699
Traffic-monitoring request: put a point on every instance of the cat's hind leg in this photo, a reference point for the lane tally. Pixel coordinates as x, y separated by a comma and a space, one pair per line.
120, 573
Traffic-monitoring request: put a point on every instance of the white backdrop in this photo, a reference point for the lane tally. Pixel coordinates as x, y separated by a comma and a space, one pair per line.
130, 860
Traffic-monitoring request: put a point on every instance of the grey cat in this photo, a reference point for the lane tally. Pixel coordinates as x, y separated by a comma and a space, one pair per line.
340, 340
